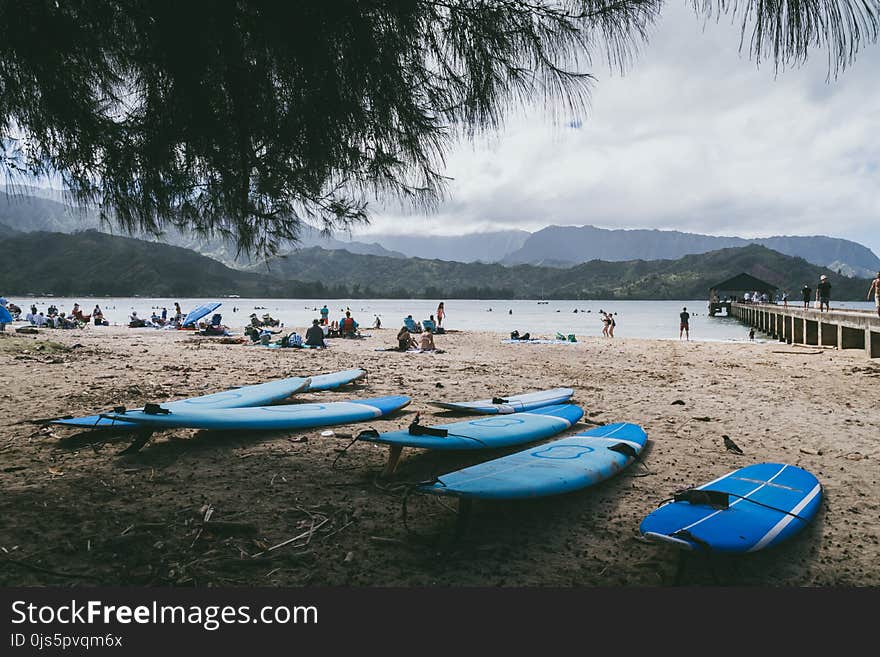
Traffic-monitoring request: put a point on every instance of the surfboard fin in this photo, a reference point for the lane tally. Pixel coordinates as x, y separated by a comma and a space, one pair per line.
623, 448
155, 409
714, 498
416, 429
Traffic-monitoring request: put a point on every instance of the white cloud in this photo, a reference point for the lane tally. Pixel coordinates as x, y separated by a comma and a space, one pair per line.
695, 137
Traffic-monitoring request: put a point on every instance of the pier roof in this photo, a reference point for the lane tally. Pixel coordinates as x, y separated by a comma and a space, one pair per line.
744, 283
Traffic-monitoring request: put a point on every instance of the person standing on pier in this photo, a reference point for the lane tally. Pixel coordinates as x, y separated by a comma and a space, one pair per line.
806, 292
875, 288
823, 291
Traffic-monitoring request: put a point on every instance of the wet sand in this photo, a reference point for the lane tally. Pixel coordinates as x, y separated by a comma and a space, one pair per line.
77, 512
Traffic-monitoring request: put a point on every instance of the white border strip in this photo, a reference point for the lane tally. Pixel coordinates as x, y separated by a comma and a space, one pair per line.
782, 524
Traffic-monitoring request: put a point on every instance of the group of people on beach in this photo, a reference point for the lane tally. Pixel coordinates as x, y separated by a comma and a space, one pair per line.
55, 318
426, 331
608, 323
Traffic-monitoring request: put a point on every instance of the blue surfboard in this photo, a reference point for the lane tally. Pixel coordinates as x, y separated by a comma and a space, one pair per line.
269, 418
509, 403
334, 380
195, 315
560, 466
255, 395
746, 510
490, 432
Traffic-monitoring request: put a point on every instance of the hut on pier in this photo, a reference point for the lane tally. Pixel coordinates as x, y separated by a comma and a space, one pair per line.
725, 293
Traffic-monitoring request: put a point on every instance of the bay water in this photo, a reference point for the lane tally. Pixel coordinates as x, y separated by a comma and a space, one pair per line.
634, 319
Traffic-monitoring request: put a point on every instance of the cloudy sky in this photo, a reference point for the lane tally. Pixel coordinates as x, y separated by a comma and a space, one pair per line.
694, 137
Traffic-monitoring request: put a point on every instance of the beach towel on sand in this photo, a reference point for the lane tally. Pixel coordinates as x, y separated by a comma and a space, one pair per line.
536, 341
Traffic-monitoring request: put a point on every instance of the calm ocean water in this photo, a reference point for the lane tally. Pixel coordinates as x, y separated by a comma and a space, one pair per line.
635, 319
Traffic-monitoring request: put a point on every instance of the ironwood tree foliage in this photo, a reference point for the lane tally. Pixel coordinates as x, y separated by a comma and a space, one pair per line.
246, 118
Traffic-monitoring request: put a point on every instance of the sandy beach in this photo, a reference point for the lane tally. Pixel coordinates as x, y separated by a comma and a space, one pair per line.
76, 512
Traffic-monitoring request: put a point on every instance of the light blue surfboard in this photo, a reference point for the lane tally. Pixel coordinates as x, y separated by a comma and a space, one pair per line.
560, 466
270, 418
195, 315
335, 379
490, 432
510, 403
255, 395
767, 504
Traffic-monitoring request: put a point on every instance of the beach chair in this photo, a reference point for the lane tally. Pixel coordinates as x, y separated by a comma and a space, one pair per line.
429, 325
411, 325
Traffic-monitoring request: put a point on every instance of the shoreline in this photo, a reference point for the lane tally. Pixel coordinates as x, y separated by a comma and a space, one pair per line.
75, 505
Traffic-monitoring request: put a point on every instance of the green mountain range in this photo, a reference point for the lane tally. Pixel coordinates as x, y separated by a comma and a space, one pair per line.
689, 277
97, 264
94, 263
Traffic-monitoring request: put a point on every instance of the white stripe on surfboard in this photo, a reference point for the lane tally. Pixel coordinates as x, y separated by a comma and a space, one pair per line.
734, 503
631, 443
343, 411
549, 417
782, 524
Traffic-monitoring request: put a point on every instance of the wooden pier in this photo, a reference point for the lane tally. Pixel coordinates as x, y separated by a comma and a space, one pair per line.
844, 329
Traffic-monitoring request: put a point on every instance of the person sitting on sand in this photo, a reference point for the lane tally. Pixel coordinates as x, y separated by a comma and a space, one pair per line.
426, 342
315, 335
77, 314
348, 326
405, 341
292, 339
134, 321
40, 320
411, 325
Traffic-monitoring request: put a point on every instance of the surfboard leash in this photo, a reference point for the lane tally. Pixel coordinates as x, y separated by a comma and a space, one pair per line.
718, 499
417, 429
372, 433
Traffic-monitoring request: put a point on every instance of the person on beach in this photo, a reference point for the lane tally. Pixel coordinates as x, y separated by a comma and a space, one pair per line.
411, 325
684, 325
315, 335
441, 313
823, 292
875, 288
378, 323
347, 326
325, 315
426, 342
611, 325
405, 341
806, 293
178, 313
606, 322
